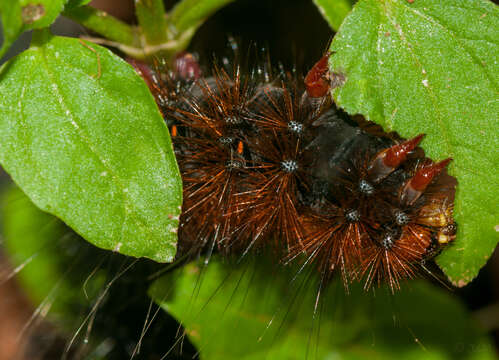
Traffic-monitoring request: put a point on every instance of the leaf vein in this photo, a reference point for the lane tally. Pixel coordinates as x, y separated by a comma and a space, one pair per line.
109, 96
404, 39
87, 142
473, 57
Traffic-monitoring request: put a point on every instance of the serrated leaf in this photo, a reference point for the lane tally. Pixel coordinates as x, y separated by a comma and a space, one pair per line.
431, 66
81, 134
21, 15
334, 11
256, 311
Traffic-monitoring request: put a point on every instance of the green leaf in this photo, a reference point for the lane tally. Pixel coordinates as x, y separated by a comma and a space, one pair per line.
334, 11
37, 14
42, 250
76, 3
188, 15
256, 311
81, 134
21, 15
431, 66
12, 25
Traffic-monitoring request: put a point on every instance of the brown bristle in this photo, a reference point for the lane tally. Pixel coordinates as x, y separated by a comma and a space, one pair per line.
270, 164
389, 260
334, 241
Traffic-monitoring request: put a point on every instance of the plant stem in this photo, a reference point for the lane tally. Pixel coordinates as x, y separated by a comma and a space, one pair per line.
167, 48
40, 36
152, 20
104, 24
157, 33
190, 14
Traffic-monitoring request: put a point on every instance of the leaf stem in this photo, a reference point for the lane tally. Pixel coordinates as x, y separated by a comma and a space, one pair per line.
141, 53
152, 20
104, 24
190, 14
157, 33
40, 36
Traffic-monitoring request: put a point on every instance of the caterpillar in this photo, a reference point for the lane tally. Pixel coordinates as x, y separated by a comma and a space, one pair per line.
272, 167
270, 164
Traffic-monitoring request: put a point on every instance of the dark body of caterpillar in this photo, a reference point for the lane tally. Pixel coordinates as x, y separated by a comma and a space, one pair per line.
270, 164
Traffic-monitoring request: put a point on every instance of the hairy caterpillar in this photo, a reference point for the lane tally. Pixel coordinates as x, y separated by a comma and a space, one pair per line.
269, 167
270, 164
317, 227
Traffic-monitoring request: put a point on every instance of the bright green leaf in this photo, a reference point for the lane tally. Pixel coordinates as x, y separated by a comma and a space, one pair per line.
81, 135
21, 15
431, 66
256, 311
334, 11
